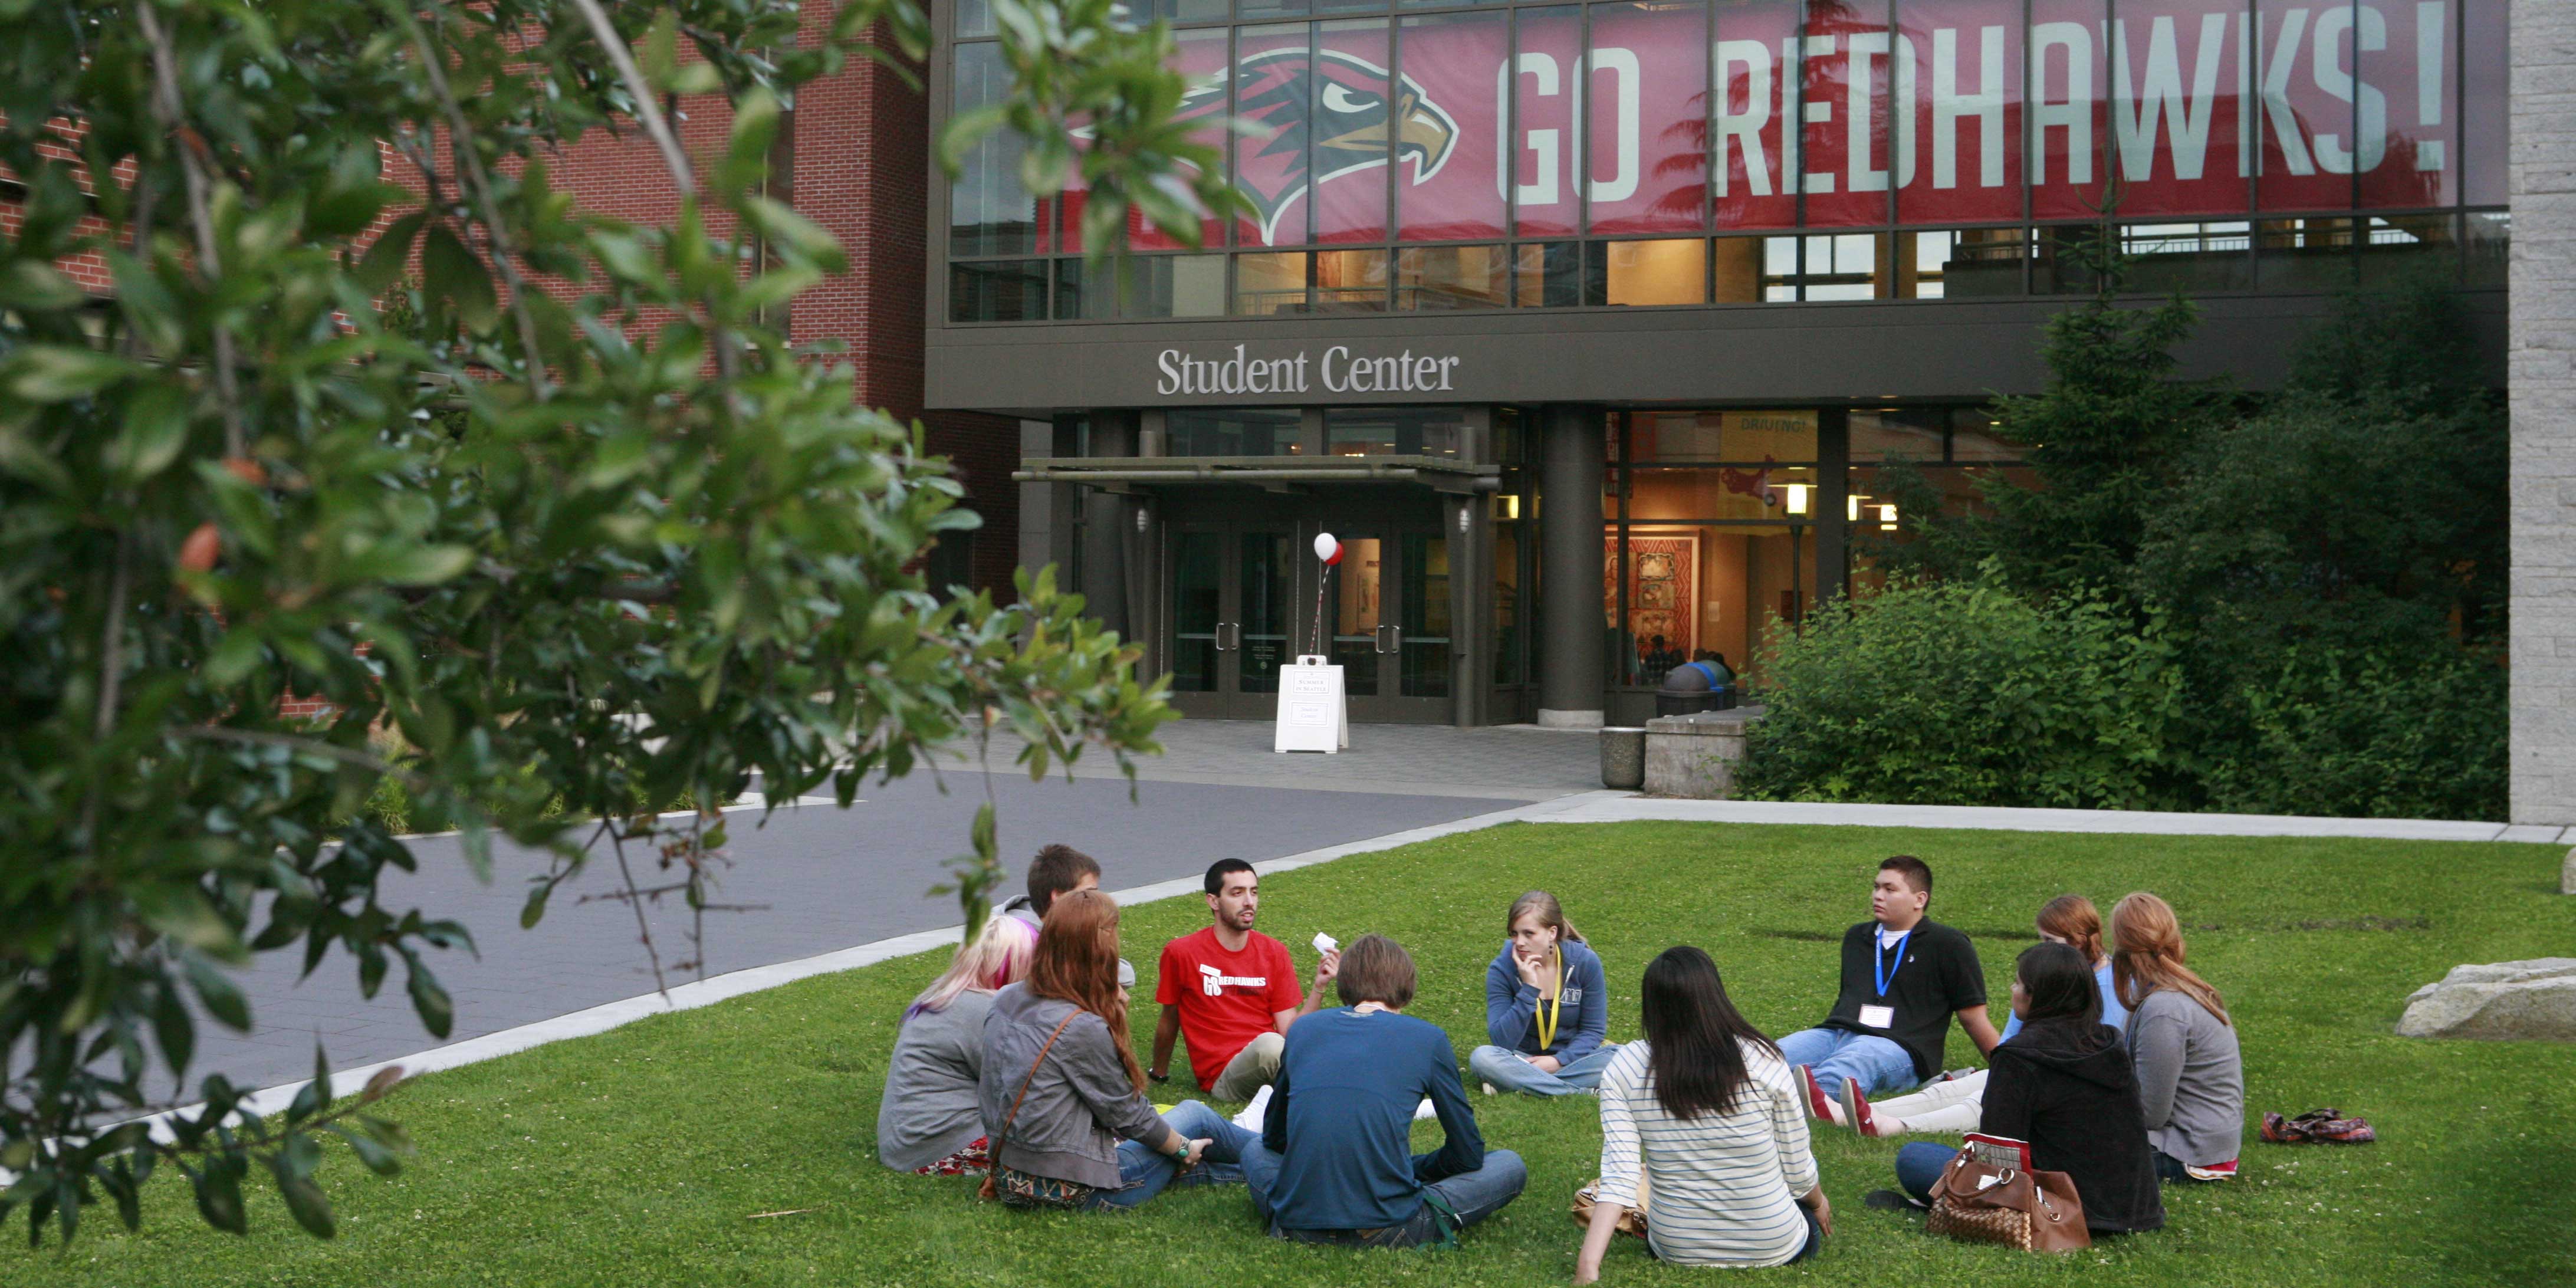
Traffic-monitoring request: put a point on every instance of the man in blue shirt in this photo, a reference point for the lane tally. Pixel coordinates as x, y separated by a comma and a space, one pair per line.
1335, 1161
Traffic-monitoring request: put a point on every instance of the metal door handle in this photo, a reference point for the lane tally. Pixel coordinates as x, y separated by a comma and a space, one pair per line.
1221, 645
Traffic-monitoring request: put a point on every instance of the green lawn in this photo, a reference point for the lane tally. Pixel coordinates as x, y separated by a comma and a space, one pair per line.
634, 1158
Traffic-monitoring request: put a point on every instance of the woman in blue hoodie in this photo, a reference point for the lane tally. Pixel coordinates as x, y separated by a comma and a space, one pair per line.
1546, 1008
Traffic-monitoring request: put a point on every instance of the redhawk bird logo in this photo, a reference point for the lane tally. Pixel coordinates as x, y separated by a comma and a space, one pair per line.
1335, 102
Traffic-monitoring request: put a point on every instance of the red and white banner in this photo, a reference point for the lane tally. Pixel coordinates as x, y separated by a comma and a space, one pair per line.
1671, 118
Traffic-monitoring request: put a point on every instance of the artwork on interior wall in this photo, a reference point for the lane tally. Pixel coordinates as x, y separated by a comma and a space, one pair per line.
1663, 590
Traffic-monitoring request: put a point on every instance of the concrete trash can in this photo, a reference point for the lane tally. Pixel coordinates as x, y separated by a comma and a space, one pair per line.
1623, 759
1684, 692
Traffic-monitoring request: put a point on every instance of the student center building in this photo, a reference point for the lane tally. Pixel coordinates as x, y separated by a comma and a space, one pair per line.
1588, 328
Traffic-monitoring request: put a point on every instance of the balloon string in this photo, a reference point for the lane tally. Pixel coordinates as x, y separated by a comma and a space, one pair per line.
1315, 637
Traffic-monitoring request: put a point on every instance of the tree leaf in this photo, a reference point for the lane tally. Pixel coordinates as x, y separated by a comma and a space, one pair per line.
155, 432
455, 274
52, 373
304, 1200
217, 993
437, 1012
384, 262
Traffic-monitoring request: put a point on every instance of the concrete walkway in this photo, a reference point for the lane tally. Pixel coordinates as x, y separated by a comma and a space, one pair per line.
595, 981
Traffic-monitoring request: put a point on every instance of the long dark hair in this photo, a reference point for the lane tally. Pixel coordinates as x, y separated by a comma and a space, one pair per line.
1694, 1037
2059, 984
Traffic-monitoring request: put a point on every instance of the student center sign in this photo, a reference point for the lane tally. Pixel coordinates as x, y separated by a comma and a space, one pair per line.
1590, 328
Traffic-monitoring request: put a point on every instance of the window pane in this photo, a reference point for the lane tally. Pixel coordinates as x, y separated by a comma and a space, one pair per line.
1647, 100
1271, 283
1272, 92
1012, 290
1350, 281
1747, 437
1545, 93
1084, 290
1174, 286
2176, 66
1974, 436
1549, 275
1643, 273
2059, 268
2305, 162
1845, 148
2490, 243
1447, 174
2191, 257
2408, 52
1844, 266
1243, 431
989, 212
1913, 434
2065, 107
1737, 267
2483, 111
1424, 664
1347, 131
1751, 186
2301, 255
1962, 160
1967, 264
1196, 608
1758, 492
1200, 55
2400, 247
1394, 431
1452, 277
1779, 269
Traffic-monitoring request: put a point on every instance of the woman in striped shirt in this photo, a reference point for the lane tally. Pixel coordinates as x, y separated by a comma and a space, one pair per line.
1703, 1128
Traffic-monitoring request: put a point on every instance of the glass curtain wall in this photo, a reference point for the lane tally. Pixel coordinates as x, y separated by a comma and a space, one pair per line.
1655, 153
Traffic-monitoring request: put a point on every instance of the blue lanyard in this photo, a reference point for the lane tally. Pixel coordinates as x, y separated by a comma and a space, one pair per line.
1883, 968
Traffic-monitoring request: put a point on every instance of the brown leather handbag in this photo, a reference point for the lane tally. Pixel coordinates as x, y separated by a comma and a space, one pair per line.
1978, 1202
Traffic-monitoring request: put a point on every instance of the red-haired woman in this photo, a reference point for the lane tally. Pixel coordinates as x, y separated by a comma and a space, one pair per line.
2191, 1074
1063, 1097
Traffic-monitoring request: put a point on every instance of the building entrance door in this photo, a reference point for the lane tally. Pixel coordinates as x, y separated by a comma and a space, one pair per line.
1388, 603
1232, 587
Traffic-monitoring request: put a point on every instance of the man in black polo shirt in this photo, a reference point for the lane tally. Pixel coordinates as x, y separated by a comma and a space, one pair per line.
1904, 976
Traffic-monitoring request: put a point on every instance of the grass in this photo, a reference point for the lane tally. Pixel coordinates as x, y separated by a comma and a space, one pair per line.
638, 1157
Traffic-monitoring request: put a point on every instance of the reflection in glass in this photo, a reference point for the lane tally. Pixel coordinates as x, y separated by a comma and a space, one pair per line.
1394, 431
2398, 248
2305, 255
989, 212
1197, 598
1451, 277
1270, 283
2490, 246
1010, 290
1267, 585
1350, 281
1357, 597
1743, 437
1247, 431
1648, 273
1548, 275
1424, 654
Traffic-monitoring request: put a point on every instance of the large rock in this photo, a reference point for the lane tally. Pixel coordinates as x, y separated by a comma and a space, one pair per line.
2533, 999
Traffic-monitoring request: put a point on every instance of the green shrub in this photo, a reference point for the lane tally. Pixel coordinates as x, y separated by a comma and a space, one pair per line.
1963, 693
2365, 736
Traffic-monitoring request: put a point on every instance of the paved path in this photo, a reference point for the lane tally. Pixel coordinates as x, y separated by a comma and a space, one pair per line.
832, 880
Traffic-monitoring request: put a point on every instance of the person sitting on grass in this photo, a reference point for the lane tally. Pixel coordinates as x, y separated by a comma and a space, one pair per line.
1063, 1099
2191, 1074
1058, 869
1702, 1130
931, 1122
1903, 977
1231, 990
1951, 1105
1546, 1006
1334, 1163
2063, 1083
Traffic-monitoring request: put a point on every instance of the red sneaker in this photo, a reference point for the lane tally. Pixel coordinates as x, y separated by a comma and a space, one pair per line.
1817, 1105
1856, 1110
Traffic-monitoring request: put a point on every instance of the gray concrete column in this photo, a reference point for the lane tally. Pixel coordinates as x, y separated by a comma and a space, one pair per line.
2543, 392
1569, 510
1107, 516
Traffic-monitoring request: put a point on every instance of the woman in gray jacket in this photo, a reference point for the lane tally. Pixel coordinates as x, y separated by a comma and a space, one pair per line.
2191, 1074
1063, 1097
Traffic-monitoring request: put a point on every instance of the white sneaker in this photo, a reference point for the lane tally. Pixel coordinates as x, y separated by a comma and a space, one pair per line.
1489, 1090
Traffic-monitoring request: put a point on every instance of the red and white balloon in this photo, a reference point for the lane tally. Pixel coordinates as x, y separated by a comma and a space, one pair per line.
1328, 549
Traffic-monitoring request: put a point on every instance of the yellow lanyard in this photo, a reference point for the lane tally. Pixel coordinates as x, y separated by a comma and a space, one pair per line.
1549, 1008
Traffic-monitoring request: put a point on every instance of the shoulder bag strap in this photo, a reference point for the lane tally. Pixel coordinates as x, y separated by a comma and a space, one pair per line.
1034, 1066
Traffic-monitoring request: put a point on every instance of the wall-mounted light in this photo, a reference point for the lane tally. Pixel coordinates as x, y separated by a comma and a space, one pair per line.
1887, 518
1797, 497
1144, 520
1466, 518
1851, 506
1507, 506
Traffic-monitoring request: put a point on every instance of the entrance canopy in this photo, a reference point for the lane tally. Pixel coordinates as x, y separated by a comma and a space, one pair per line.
1278, 473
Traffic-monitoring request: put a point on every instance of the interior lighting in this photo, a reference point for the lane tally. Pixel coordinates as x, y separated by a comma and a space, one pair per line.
1851, 506
1797, 497
1887, 518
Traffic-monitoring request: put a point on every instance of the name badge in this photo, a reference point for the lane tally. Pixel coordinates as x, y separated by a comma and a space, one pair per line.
1877, 1017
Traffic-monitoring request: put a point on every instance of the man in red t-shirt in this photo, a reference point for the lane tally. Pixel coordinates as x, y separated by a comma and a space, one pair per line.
1231, 990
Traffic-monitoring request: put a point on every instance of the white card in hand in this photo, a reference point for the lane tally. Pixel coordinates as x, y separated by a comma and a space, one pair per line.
1877, 1017
1325, 943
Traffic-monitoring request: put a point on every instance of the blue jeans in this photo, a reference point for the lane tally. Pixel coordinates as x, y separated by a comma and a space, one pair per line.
1875, 1063
1919, 1167
1512, 1071
1472, 1195
1144, 1171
